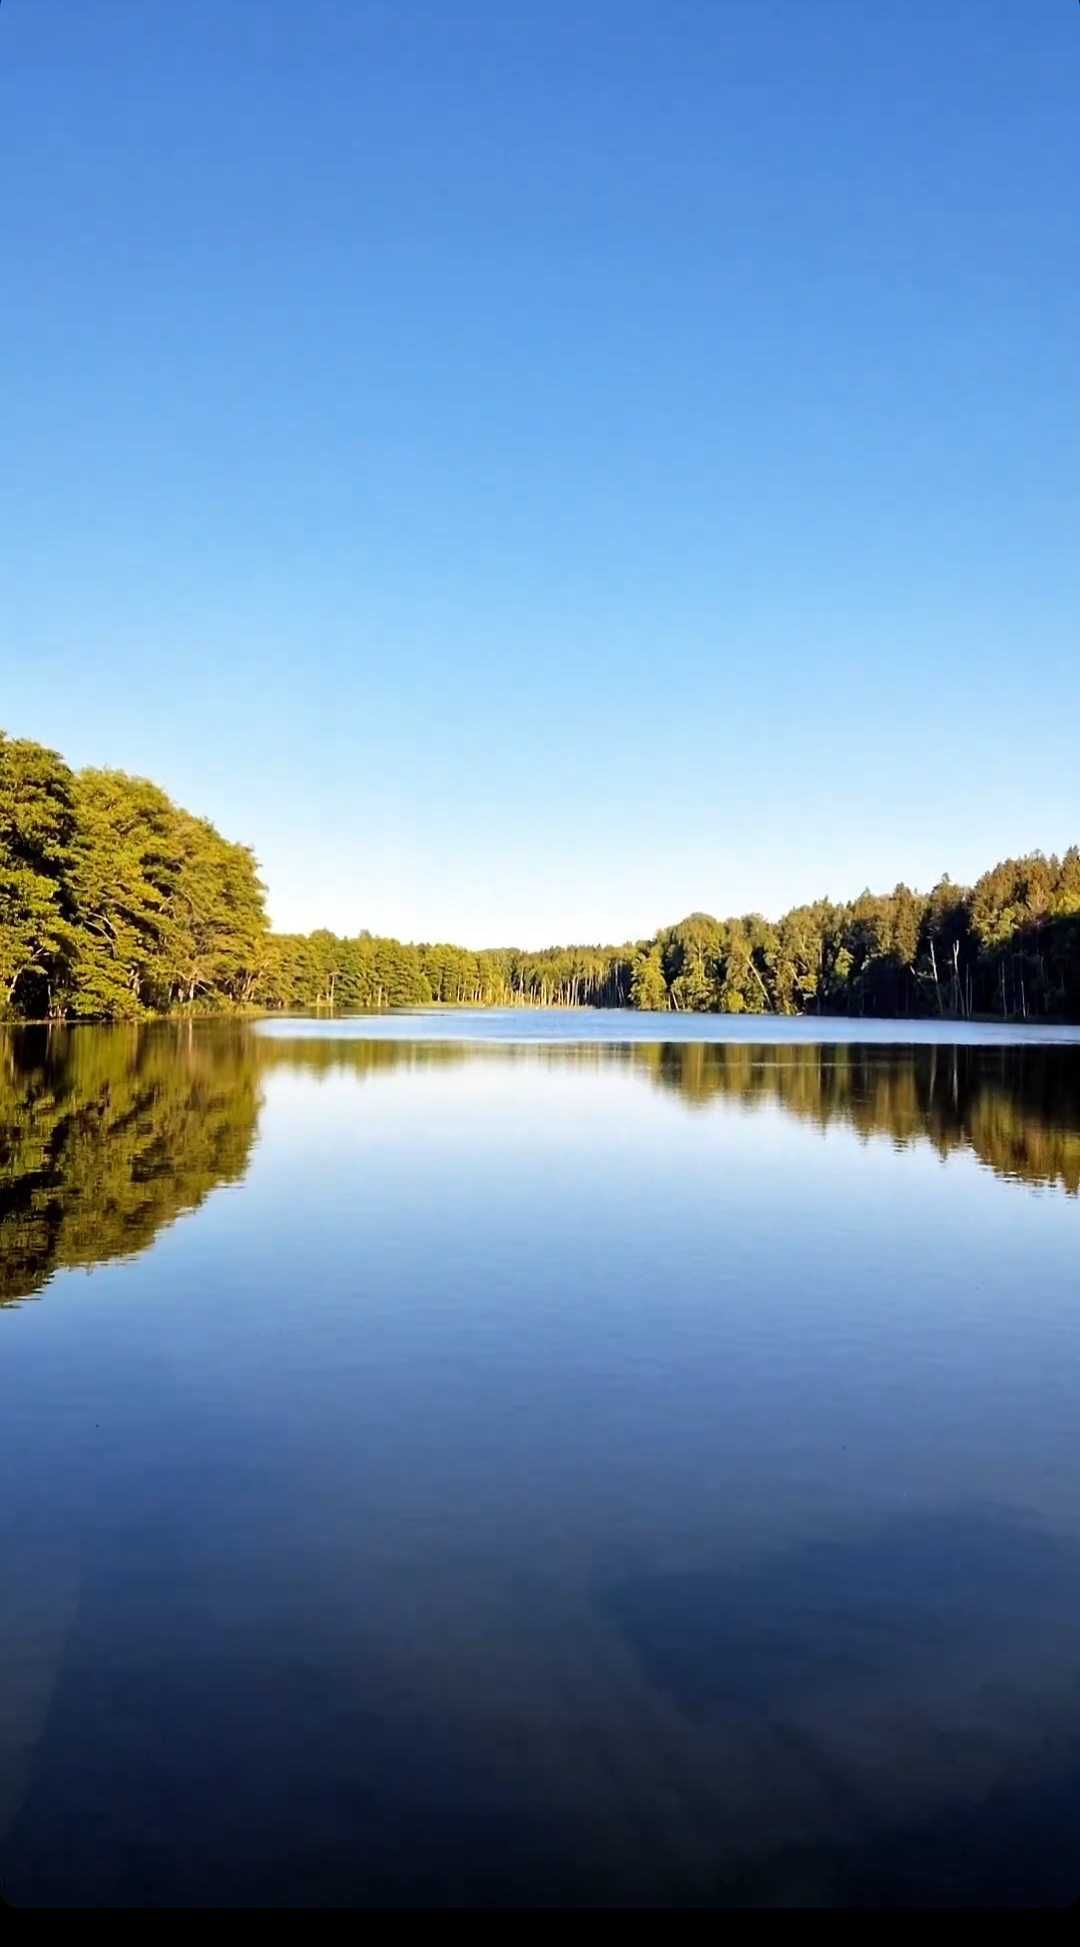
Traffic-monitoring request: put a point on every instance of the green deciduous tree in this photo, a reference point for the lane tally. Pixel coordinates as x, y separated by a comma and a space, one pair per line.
38, 936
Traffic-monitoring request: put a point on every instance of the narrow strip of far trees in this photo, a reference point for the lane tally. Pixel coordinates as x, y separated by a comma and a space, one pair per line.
115, 904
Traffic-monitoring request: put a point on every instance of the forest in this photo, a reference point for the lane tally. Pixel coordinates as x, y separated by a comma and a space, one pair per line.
116, 904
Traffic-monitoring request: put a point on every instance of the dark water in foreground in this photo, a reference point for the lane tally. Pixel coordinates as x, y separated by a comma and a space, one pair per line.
542, 1470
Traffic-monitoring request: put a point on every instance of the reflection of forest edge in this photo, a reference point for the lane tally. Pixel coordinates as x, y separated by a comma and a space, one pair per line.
107, 1135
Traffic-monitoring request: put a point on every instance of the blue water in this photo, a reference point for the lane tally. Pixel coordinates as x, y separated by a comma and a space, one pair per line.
472, 1459
609, 1024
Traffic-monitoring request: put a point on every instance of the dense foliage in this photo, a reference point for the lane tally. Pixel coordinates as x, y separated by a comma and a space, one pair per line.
115, 904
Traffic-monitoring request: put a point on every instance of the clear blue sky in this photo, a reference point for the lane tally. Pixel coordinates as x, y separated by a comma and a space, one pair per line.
535, 467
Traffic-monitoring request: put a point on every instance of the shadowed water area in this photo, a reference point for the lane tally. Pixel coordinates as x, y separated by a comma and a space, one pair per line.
518, 1457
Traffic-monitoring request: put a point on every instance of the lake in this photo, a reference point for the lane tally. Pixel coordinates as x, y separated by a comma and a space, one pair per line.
539, 1458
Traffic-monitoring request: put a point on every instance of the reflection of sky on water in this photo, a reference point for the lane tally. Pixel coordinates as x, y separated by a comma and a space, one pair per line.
519, 1487
613, 1025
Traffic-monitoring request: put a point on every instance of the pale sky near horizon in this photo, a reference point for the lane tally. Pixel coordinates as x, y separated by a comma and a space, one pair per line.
532, 470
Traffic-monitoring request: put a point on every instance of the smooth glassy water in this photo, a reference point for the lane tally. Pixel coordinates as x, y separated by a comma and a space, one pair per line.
540, 1458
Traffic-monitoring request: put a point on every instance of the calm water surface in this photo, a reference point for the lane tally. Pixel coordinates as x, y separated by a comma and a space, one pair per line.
499, 1458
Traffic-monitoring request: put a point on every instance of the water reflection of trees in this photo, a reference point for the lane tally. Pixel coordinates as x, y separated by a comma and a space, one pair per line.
1017, 1108
108, 1134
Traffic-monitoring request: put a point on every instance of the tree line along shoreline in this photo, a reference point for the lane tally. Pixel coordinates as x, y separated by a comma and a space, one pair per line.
118, 905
